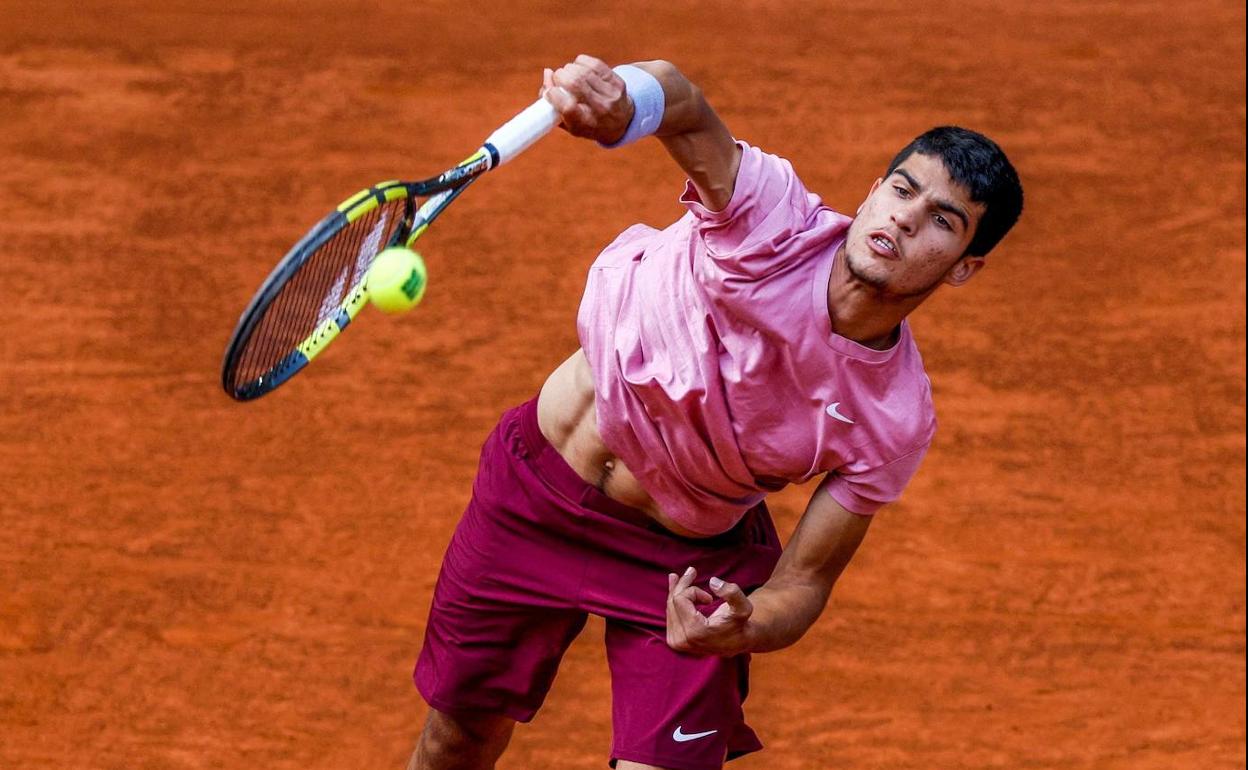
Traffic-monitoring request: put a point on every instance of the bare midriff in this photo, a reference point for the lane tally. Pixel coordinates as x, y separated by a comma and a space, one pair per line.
568, 417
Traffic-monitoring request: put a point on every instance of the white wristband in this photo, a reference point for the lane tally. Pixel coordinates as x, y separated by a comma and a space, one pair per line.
648, 104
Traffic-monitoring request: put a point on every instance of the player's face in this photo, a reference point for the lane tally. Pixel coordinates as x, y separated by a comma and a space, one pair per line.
912, 231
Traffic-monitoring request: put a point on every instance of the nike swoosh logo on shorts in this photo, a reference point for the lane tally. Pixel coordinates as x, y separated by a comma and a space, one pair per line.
681, 737
833, 413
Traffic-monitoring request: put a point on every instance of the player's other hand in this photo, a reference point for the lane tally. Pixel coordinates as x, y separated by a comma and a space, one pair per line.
590, 98
726, 631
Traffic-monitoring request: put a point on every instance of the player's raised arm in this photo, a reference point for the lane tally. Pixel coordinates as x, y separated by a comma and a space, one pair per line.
616, 107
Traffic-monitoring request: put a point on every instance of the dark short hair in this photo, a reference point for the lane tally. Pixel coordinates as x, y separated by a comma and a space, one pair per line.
978, 164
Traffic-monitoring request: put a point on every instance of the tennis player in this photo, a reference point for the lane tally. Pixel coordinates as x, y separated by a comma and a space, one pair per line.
760, 340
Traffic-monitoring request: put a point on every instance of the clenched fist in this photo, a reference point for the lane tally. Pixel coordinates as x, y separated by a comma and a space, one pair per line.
590, 98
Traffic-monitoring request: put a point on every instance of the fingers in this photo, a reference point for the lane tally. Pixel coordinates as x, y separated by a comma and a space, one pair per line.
588, 86
589, 97
573, 76
681, 587
595, 64
683, 618
584, 77
734, 598
686, 579
688, 630
558, 96
599, 78
605, 82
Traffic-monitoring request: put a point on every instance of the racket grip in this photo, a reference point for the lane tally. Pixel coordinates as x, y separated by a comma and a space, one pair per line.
516, 135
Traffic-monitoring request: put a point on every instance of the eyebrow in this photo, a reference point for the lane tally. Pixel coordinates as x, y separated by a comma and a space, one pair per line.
941, 204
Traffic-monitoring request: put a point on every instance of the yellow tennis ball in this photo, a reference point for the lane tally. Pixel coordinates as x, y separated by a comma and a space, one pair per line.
396, 280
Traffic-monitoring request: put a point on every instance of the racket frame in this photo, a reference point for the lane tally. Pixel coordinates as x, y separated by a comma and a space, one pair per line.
507, 142
415, 221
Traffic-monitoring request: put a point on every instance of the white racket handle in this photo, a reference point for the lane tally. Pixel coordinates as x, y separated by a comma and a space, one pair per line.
518, 134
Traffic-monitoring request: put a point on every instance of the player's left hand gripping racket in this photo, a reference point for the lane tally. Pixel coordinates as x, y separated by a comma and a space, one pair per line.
318, 287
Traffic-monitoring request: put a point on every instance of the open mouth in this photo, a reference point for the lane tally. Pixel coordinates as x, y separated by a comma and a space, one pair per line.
883, 244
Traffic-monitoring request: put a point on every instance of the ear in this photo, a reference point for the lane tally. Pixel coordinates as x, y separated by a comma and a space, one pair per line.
874, 186
964, 269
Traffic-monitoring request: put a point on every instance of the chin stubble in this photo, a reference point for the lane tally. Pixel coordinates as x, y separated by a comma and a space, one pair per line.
881, 284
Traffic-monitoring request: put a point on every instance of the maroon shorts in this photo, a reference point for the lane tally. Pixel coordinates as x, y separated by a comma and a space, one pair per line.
537, 550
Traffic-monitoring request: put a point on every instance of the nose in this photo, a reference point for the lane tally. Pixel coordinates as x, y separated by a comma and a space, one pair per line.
905, 216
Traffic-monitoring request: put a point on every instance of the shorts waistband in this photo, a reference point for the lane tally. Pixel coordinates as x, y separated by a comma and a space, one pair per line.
556, 472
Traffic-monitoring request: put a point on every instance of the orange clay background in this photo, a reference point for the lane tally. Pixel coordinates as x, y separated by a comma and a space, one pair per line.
186, 582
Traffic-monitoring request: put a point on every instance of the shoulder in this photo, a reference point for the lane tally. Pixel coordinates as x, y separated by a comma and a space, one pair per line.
763, 182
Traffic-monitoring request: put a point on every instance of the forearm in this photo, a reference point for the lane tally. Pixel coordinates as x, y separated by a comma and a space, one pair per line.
695, 137
786, 606
783, 613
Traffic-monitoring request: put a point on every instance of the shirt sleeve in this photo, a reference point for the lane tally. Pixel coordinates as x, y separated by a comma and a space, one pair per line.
866, 491
751, 236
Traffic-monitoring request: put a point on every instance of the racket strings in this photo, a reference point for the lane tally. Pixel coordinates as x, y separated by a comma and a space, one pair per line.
316, 291
292, 315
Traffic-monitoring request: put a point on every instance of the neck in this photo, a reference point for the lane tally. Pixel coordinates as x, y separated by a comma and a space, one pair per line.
863, 313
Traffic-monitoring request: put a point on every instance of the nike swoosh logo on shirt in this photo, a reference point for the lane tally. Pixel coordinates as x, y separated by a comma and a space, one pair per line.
681, 737
832, 412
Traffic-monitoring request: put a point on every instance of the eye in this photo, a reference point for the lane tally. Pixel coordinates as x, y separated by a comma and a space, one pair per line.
943, 222
901, 191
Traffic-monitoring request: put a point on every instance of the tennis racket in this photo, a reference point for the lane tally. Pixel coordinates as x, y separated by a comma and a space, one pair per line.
318, 288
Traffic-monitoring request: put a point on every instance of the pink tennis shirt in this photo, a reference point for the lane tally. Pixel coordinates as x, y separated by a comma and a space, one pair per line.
718, 376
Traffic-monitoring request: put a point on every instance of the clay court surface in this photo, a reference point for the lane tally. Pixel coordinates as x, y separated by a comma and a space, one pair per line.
186, 582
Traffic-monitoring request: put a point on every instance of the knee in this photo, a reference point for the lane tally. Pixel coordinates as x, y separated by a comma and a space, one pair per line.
461, 742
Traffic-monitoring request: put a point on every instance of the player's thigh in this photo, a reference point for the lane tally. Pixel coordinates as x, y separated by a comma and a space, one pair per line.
624, 764
674, 710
